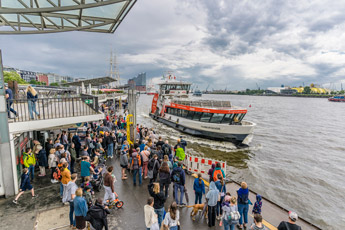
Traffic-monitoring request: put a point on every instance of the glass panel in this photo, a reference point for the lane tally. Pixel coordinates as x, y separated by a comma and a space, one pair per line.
178, 87
184, 113
206, 117
71, 12
236, 118
190, 115
11, 4
105, 27
108, 11
217, 118
197, 116
226, 119
179, 112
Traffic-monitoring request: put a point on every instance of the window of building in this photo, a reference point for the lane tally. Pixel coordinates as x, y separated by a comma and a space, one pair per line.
206, 117
197, 116
217, 118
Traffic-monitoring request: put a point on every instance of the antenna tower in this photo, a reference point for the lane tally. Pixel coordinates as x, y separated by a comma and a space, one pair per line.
114, 73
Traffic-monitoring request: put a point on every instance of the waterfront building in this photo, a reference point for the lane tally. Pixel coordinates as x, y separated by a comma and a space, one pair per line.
42, 77
139, 82
28, 75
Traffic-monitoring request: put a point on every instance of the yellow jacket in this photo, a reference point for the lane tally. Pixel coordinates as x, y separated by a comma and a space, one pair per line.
29, 160
65, 176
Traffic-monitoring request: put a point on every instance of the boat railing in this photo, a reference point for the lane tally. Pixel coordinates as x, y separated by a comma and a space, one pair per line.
204, 103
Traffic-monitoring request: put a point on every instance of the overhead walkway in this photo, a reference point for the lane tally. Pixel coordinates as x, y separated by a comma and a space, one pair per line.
54, 112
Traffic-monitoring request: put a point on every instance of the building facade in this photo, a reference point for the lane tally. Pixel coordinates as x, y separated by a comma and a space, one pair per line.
138, 82
28, 75
42, 77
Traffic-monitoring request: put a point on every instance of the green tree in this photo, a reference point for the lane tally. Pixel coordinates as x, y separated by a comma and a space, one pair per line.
34, 82
54, 84
13, 76
307, 90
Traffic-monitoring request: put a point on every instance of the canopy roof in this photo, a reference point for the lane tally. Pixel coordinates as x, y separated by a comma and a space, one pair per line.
94, 82
50, 16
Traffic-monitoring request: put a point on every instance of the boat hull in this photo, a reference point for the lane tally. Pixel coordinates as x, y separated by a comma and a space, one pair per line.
236, 138
336, 100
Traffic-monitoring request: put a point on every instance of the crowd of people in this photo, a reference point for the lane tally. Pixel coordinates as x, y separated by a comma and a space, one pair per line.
150, 158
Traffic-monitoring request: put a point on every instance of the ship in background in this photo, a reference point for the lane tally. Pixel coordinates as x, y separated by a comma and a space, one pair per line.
216, 120
150, 89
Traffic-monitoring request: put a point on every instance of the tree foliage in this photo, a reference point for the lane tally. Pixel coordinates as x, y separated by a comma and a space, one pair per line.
13, 76
54, 84
34, 82
307, 90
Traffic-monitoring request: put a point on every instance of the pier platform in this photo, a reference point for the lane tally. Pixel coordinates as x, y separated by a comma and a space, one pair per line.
48, 213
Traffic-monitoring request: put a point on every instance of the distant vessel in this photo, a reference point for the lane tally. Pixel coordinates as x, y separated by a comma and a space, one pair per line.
337, 99
197, 93
151, 89
217, 120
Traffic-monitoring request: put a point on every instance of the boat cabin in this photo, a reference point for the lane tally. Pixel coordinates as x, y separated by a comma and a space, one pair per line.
174, 88
221, 116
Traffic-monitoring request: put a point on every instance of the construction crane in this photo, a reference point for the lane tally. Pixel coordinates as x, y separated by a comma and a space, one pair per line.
207, 88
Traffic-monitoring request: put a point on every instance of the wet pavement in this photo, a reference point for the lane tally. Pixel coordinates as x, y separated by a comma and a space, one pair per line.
30, 212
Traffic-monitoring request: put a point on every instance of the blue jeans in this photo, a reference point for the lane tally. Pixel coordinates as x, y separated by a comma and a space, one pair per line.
198, 196
243, 210
135, 172
160, 213
181, 188
32, 171
32, 108
228, 226
110, 150
71, 212
61, 189
9, 104
173, 228
219, 206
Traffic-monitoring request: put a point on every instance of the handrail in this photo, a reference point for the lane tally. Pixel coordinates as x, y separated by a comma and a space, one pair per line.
52, 108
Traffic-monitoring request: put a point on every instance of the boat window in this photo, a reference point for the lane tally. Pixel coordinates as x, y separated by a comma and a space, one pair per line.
172, 111
184, 113
179, 112
217, 118
227, 118
206, 117
236, 119
178, 87
197, 116
190, 115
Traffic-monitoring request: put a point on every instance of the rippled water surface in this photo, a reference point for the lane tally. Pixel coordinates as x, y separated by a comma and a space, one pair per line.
295, 157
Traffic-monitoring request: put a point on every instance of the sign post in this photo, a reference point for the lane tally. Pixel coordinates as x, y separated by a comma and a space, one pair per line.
7, 185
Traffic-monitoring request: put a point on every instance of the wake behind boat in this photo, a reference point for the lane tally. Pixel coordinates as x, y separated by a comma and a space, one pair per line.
216, 120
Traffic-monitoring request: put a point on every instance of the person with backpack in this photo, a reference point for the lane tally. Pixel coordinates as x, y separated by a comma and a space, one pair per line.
183, 143
291, 224
42, 160
124, 162
243, 204
30, 162
73, 154
167, 150
97, 215
159, 200
218, 171
230, 213
199, 189
52, 163
136, 166
211, 198
180, 153
153, 168
25, 185
220, 184
178, 177
164, 178
145, 154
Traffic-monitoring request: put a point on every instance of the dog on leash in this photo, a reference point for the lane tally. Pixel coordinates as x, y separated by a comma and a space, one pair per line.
196, 208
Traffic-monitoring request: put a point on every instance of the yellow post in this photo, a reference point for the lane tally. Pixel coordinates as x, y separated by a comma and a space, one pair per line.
129, 123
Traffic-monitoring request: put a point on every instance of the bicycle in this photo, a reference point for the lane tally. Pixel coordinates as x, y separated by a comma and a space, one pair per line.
115, 203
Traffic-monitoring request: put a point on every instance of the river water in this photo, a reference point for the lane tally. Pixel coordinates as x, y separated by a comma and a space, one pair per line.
295, 157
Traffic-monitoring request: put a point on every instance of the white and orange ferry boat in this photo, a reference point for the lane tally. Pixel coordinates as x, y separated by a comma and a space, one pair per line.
216, 120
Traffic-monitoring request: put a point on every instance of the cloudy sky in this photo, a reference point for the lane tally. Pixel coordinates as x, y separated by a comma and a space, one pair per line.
225, 43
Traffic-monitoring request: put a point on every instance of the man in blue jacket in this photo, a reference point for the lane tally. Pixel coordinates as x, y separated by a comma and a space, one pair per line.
178, 177
9, 102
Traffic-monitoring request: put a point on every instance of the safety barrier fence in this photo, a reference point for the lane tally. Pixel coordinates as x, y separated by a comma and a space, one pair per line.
52, 108
197, 164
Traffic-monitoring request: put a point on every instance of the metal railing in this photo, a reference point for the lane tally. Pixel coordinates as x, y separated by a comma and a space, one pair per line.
52, 108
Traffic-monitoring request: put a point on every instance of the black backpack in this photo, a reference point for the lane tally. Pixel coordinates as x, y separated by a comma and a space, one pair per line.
166, 150
176, 176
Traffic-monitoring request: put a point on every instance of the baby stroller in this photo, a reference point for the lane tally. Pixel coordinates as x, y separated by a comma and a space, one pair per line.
97, 178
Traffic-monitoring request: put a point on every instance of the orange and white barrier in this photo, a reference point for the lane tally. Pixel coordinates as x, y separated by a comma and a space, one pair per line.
197, 164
